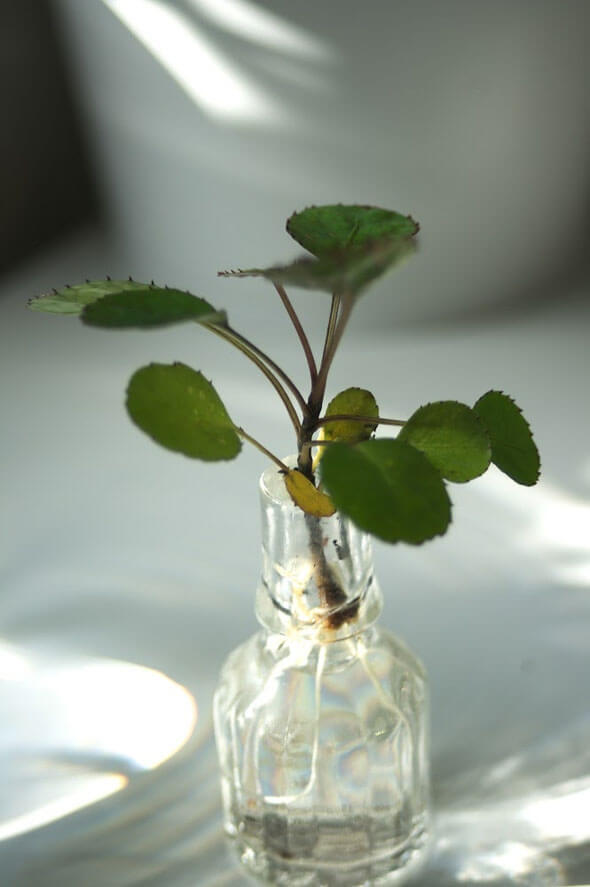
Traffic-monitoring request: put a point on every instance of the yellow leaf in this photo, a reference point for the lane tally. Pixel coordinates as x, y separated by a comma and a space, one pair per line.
354, 402
306, 496
319, 451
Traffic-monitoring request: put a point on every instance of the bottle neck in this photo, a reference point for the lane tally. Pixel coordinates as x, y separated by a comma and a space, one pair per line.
317, 573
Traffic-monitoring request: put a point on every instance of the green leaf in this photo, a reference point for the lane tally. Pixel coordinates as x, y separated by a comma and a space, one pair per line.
354, 402
72, 299
452, 437
387, 488
326, 230
181, 410
513, 448
347, 272
127, 303
150, 306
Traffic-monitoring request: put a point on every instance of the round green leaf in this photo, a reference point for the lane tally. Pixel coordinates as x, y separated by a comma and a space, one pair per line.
387, 488
73, 299
354, 402
347, 272
305, 273
325, 230
452, 437
181, 410
149, 306
513, 448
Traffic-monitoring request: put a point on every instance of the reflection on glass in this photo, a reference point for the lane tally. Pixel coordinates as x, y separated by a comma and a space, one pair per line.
524, 821
74, 733
511, 863
94, 788
14, 665
564, 816
555, 523
134, 712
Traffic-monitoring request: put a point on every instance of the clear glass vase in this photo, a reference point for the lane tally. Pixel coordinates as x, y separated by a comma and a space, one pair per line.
321, 718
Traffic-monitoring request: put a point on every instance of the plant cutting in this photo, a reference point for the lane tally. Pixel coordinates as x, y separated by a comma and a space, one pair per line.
321, 717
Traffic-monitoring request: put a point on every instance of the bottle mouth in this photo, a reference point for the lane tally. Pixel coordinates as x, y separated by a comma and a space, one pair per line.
329, 617
317, 574
319, 625
272, 484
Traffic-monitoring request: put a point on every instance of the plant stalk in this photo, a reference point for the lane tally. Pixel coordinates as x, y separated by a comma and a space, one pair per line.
333, 317
341, 309
256, 443
316, 397
368, 420
330, 592
226, 333
238, 337
313, 372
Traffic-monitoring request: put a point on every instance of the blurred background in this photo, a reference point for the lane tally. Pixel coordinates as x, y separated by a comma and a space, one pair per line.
187, 130
169, 139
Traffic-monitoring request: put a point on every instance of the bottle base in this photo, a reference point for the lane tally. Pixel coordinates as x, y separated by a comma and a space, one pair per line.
339, 853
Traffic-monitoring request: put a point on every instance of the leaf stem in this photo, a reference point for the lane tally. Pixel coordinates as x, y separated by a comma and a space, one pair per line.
318, 389
334, 308
251, 353
336, 327
313, 371
347, 301
369, 420
261, 447
238, 337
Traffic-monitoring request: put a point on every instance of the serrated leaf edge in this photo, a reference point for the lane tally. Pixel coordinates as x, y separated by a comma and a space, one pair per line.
524, 419
406, 541
460, 403
299, 212
107, 279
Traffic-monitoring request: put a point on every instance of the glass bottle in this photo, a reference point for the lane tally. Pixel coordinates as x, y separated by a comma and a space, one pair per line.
321, 718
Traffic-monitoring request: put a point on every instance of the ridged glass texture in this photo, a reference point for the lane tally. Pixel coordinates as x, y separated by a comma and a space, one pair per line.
321, 717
